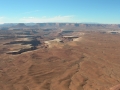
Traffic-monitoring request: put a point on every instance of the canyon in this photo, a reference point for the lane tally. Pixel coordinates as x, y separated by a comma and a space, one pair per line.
59, 56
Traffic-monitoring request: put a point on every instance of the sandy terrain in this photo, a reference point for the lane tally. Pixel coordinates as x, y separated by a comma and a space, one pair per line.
93, 63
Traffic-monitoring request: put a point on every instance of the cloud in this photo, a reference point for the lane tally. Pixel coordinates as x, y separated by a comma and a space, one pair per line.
59, 18
2, 19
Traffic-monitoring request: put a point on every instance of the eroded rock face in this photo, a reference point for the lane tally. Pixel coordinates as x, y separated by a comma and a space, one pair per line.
24, 45
22, 50
88, 65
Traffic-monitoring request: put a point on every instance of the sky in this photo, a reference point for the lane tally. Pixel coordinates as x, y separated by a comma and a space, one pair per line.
73, 11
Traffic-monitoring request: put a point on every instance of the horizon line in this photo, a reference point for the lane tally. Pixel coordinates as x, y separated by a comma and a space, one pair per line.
62, 22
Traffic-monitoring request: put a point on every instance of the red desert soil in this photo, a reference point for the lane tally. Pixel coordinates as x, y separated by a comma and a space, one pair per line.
93, 64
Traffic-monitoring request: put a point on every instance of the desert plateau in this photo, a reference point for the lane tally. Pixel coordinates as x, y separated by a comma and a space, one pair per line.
50, 56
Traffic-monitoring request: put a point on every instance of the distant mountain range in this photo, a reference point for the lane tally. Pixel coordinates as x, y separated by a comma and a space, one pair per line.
41, 25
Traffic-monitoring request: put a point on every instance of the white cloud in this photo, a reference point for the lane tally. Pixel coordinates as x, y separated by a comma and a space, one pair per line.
47, 19
59, 18
1, 22
2, 19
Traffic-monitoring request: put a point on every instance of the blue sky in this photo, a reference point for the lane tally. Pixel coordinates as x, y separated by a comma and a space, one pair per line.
94, 11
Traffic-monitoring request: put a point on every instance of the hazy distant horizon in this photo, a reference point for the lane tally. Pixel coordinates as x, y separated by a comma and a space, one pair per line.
59, 22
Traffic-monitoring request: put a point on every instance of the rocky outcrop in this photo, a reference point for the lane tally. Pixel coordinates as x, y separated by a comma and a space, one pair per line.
22, 50
33, 42
25, 45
